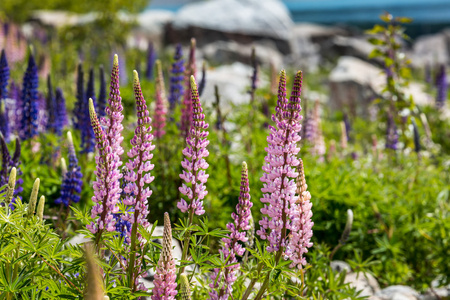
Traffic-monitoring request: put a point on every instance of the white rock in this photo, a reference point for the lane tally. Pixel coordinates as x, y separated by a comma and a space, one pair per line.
430, 49
365, 283
398, 292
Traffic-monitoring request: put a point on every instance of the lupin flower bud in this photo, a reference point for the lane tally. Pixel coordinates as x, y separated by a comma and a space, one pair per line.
94, 288
194, 163
63, 167
106, 186
165, 277
159, 119
11, 184
222, 282
40, 208
348, 227
33, 198
185, 288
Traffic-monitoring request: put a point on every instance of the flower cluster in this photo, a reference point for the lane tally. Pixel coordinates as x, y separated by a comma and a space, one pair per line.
231, 247
194, 163
159, 119
8, 163
279, 188
391, 133
106, 186
30, 104
301, 232
151, 58
139, 164
101, 103
72, 183
61, 116
81, 100
165, 277
52, 112
4, 78
186, 109
176, 78
442, 87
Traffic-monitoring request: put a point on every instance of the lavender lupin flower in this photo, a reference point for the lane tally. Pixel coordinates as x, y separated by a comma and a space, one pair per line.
151, 57
52, 109
80, 105
176, 78
165, 277
194, 163
30, 101
442, 87
139, 164
301, 231
87, 133
72, 183
159, 119
113, 124
4, 75
106, 186
222, 284
101, 103
15, 114
391, 133
61, 117
186, 110
279, 187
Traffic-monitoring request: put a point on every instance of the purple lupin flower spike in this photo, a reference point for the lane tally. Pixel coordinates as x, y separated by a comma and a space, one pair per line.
30, 101
165, 277
52, 109
16, 115
139, 166
80, 105
4, 75
61, 117
442, 87
87, 133
186, 109
151, 58
301, 231
194, 163
222, 285
391, 134
106, 186
176, 78
279, 188
201, 86
113, 124
72, 183
101, 103
159, 119
5, 129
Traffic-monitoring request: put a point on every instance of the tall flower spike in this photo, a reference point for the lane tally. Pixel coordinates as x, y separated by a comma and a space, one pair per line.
80, 104
194, 163
5, 129
279, 189
159, 119
186, 109
165, 277
442, 87
301, 232
106, 186
72, 183
4, 75
139, 164
391, 133
61, 116
33, 198
223, 286
113, 124
8, 163
201, 86
151, 57
87, 133
40, 208
30, 104
10, 188
101, 103
52, 110
176, 78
